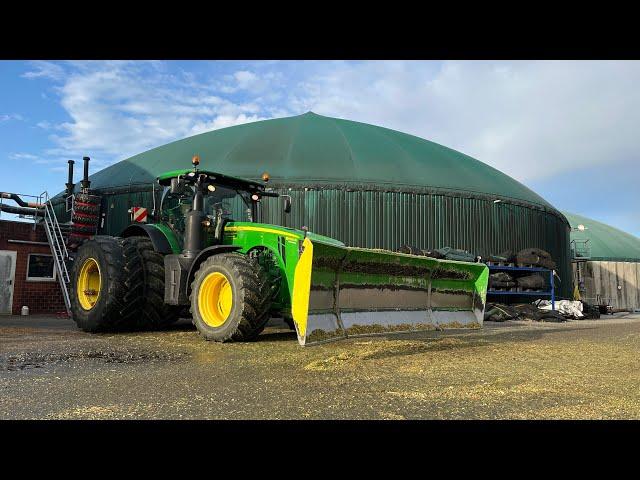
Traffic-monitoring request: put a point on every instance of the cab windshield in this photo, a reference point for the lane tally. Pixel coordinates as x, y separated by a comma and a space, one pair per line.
234, 205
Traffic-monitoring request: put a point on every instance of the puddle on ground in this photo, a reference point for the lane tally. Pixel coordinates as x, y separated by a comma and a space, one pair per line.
32, 360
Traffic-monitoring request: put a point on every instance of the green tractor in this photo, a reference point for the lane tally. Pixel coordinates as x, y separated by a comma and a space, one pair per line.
206, 253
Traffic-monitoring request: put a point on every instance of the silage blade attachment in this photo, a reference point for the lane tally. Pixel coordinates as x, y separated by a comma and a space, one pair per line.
342, 291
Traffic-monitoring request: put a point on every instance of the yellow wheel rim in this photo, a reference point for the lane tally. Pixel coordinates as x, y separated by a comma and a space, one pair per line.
89, 282
215, 299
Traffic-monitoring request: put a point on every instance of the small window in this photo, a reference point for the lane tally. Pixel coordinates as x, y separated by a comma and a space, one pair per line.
40, 268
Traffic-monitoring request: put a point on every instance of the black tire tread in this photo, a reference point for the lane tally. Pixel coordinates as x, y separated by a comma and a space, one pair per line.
155, 313
116, 313
255, 292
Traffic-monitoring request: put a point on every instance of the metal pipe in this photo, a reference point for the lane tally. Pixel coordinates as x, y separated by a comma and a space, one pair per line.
70, 185
85, 179
21, 210
19, 201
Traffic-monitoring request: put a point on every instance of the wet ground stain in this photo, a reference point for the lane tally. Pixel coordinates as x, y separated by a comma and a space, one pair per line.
29, 360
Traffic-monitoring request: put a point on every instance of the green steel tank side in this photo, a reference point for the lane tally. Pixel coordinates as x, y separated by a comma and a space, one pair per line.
606, 243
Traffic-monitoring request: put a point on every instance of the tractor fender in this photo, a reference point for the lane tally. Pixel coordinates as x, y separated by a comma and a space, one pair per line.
202, 256
158, 238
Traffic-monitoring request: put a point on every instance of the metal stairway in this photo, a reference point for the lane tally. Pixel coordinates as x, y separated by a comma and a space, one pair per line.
58, 245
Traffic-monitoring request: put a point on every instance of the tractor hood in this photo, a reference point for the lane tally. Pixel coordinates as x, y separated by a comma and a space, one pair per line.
285, 231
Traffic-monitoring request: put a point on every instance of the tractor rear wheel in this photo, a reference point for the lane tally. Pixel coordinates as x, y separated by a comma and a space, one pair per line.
230, 298
106, 291
154, 312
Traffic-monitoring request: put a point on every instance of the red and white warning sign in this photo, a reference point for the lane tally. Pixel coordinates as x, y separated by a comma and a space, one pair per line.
139, 214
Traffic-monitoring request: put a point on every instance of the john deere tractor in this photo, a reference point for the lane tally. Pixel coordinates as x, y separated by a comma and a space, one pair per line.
206, 257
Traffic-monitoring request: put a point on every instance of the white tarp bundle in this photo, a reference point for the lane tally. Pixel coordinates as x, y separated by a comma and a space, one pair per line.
570, 308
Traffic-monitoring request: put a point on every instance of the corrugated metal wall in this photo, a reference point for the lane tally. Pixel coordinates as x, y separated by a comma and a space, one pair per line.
382, 219
378, 219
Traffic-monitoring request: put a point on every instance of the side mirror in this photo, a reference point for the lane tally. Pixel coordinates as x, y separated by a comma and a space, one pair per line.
287, 203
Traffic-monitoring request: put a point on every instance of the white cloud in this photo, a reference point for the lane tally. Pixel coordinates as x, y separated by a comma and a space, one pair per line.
223, 121
118, 109
528, 119
42, 69
23, 156
5, 117
247, 81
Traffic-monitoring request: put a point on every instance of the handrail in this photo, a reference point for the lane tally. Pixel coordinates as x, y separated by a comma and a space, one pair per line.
57, 245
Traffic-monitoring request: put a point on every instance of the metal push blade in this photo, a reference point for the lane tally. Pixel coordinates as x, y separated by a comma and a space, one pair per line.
343, 291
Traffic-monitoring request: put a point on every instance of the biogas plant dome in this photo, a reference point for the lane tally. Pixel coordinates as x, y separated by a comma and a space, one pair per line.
365, 185
605, 243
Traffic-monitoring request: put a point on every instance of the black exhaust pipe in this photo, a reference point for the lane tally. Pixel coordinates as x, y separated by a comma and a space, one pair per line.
85, 180
70, 185
193, 231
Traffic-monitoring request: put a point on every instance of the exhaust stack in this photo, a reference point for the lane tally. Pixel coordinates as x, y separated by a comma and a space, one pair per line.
85, 179
70, 185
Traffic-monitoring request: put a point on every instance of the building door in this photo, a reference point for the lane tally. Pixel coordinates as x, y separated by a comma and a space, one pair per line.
7, 280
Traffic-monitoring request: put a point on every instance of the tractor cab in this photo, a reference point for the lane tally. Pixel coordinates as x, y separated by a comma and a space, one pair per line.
219, 199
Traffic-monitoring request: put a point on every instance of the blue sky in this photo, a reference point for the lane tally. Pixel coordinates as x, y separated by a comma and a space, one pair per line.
568, 130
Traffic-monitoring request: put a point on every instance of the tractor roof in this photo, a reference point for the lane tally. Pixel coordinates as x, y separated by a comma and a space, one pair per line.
219, 178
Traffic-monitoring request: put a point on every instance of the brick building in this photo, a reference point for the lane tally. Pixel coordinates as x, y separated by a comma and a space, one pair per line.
27, 274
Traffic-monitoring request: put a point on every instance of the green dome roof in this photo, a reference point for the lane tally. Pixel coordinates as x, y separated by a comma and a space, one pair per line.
605, 242
315, 149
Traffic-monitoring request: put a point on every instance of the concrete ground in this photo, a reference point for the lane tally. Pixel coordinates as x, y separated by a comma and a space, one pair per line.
576, 370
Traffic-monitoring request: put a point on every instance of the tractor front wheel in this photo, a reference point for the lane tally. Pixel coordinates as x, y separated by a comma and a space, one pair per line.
230, 298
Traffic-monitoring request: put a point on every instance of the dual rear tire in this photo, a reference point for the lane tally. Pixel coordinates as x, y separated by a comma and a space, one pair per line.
118, 285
